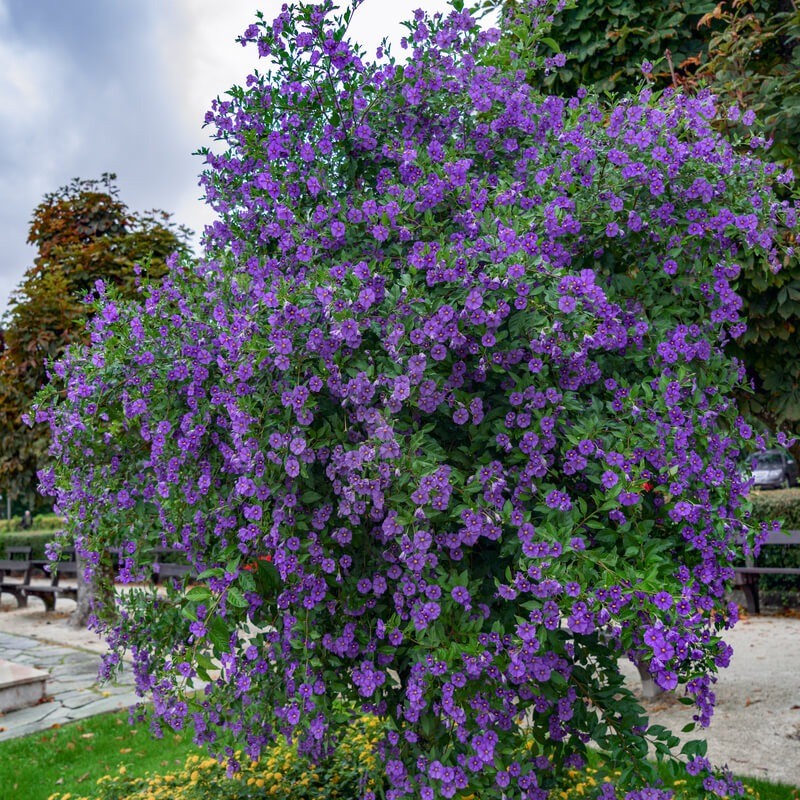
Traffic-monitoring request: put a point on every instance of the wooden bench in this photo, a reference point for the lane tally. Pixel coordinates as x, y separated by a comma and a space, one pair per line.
747, 577
11, 582
159, 568
49, 593
16, 575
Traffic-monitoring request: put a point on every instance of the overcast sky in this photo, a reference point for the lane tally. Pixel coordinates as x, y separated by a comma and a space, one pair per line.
93, 86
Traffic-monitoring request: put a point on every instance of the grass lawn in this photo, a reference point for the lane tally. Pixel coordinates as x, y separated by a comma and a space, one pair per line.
772, 791
69, 760
73, 757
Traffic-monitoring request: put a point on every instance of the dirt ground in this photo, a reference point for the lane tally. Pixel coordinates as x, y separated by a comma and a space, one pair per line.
755, 729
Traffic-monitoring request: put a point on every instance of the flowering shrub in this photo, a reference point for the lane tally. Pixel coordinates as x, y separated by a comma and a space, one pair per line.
453, 361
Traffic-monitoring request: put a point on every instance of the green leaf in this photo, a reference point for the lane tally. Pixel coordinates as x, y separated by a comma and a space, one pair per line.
198, 594
234, 597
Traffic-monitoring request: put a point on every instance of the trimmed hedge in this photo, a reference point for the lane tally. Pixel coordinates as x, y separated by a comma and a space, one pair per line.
41, 522
782, 505
36, 540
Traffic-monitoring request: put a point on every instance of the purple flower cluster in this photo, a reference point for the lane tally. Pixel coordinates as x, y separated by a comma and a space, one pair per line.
453, 361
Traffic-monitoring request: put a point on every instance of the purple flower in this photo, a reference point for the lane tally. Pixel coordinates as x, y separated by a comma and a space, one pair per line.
663, 600
609, 479
566, 303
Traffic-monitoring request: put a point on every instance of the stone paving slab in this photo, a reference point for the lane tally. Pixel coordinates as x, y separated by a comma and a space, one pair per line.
72, 690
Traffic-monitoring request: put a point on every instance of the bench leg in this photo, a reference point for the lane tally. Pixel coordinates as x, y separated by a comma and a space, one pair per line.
18, 595
751, 598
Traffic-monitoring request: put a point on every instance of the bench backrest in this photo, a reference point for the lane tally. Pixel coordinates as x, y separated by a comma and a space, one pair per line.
23, 553
164, 570
15, 565
66, 569
783, 537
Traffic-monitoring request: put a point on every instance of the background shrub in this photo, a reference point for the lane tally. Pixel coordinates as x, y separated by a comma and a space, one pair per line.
36, 540
782, 505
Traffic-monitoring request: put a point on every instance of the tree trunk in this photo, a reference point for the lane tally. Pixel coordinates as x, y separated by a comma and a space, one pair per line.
95, 596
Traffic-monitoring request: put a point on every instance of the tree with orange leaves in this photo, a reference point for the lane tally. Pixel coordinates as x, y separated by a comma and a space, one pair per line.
83, 233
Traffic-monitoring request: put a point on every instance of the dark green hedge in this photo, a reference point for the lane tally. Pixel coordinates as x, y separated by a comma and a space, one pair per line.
783, 505
606, 42
36, 540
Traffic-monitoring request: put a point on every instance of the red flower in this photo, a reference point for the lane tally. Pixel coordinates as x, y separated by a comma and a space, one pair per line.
251, 565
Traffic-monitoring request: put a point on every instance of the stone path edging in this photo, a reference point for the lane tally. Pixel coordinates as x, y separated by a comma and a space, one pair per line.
72, 691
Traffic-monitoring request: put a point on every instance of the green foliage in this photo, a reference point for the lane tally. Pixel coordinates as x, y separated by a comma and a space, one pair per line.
747, 53
83, 233
754, 62
41, 522
607, 42
36, 540
752, 59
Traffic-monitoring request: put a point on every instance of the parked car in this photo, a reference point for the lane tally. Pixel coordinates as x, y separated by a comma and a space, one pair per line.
774, 469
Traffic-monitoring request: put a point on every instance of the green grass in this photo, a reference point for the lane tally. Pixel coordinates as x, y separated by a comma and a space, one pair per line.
73, 757
772, 791
69, 760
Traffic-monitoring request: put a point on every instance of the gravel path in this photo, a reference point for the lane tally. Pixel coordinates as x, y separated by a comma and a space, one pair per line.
756, 725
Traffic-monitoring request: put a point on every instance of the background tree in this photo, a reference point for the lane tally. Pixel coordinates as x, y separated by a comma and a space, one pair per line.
752, 61
83, 233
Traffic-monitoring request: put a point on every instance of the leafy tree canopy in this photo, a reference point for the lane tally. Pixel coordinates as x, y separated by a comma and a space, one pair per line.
746, 53
83, 233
